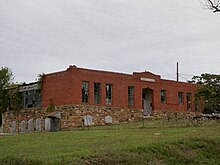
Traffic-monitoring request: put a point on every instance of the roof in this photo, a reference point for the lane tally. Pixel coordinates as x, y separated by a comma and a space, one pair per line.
54, 114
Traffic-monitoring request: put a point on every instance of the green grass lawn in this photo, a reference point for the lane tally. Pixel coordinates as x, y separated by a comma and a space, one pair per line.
158, 142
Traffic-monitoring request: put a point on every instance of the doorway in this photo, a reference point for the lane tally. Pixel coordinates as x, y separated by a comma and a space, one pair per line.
147, 101
53, 122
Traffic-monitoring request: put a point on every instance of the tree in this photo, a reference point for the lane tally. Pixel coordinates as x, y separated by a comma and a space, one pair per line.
213, 5
16, 104
209, 91
40, 80
6, 77
9, 94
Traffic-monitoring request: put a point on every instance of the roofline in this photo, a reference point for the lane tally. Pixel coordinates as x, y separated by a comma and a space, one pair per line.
177, 81
116, 73
93, 70
103, 71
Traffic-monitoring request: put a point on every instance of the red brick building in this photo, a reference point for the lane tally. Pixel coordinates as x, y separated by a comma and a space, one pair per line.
140, 90
84, 97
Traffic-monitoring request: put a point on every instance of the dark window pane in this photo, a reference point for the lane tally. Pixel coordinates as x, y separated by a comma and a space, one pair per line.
163, 96
85, 92
97, 93
109, 94
180, 98
188, 101
130, 96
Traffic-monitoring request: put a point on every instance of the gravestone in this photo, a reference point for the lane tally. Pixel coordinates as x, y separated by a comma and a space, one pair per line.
108, 120
13, 127
22, 126
47, 124
30, 125
1, 129
38, 124
88, 120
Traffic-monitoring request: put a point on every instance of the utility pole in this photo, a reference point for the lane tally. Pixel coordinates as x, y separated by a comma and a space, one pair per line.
177, 71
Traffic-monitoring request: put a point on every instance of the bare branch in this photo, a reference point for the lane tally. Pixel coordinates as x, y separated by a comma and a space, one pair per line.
213, 5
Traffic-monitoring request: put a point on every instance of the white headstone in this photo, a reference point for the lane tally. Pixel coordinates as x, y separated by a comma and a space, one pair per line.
108, 120
47, 124
88, 120
30, 125
22, 126
38, 124
13, 127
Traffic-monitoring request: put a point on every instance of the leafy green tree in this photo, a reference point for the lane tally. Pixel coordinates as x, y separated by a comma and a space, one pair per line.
16, 103
209, 91
40, 80
6, 77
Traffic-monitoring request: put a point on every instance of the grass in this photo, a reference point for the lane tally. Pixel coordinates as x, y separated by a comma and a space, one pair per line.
158, 142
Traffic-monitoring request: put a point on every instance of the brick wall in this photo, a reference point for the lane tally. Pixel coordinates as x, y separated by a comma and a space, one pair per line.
66, 88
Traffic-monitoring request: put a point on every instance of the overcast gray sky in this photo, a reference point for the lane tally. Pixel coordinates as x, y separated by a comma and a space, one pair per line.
115, 35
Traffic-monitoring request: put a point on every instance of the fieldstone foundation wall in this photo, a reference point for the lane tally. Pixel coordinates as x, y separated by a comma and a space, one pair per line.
161, 114
79, 116
70, 117
24, 122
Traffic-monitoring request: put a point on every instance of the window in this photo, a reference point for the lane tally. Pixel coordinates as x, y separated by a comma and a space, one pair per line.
97, 93
163, 96
29, 98
109, 94
188, 101
197, 104
180, 98
85, 92
130, 96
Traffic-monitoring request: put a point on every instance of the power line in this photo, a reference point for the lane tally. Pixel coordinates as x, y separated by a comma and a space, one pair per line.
183, 78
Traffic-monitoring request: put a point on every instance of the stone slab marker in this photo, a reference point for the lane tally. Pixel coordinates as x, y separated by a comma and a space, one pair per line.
38, 124
108, 120
47, 124
30, 125
88, 120
13, 127
23, 126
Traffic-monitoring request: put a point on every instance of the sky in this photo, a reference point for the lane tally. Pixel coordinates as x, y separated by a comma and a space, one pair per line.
126, 36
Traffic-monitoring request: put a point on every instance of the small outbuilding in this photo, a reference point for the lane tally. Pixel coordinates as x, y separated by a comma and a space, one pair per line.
52, 122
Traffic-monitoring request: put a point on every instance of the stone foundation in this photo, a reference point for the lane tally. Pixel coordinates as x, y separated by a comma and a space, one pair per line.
161, 114
70, 117
15, 123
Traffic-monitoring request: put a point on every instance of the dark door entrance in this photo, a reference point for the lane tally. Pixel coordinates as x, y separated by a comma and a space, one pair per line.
147, 97
52, 122
55, 124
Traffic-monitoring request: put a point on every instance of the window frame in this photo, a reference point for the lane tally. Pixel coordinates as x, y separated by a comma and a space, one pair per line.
163, 96
109, 93
85, 94
131, 96
189, 101
180, 98
97, 93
